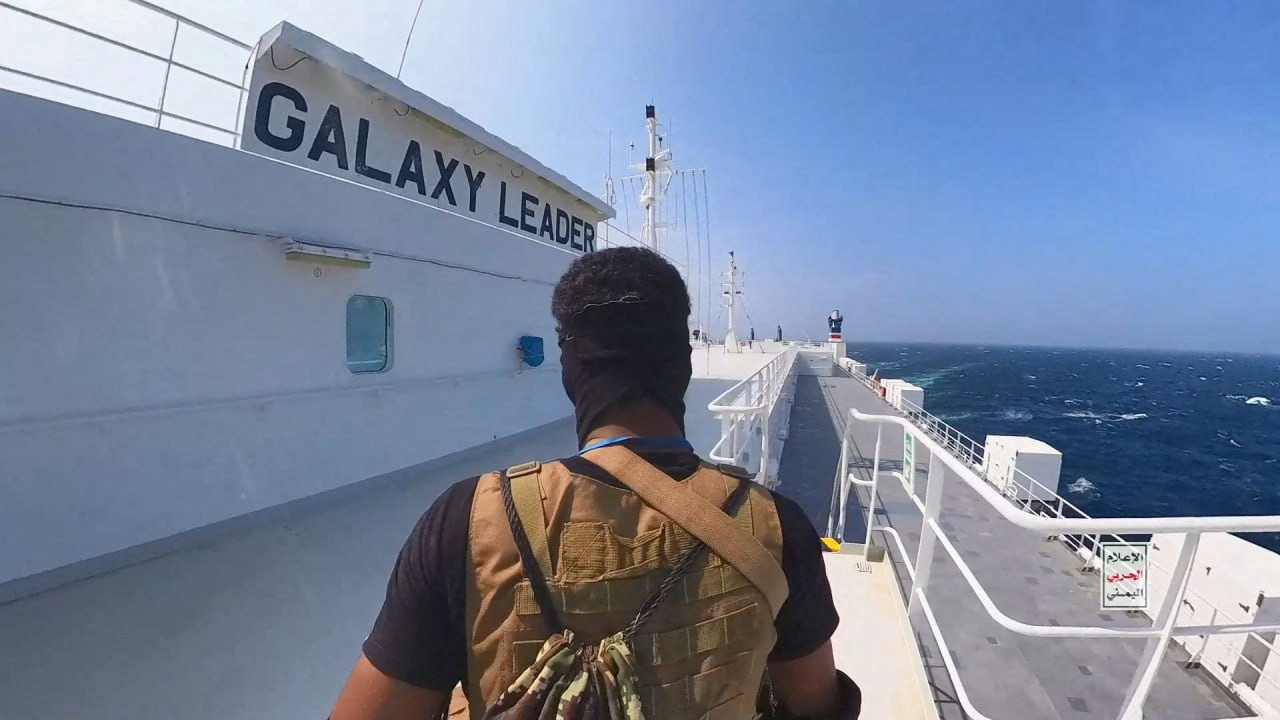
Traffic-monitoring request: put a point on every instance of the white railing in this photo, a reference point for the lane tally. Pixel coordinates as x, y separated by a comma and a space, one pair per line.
964, 447
753, 415
164, 64
1061, 519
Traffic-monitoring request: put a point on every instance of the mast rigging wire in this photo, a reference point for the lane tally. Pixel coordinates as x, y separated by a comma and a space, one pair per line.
697, 229
706, 198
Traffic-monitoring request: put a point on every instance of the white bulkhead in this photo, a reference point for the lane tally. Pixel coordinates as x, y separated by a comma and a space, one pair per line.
168, 366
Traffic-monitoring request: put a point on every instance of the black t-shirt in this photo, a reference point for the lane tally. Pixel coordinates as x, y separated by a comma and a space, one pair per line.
420, 635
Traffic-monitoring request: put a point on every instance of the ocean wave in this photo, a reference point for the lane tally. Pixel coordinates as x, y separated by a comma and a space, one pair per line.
1072, 401
1139, 384
926, 380
1233, 442
1145, 367
1082, 486
1014, 414
1109, 417
1237, 397
1258, 401
954, 416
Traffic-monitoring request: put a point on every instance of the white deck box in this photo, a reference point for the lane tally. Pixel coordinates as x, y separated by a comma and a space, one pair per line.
908, 393
1036, 458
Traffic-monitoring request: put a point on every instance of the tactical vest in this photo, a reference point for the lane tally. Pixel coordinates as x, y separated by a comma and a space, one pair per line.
701, 655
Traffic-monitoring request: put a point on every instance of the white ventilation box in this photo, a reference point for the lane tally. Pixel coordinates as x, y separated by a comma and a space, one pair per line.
908, 393
890, 389
895, 391
1007, 454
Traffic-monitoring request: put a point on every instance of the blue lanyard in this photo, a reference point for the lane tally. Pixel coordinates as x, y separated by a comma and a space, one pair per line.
671, 442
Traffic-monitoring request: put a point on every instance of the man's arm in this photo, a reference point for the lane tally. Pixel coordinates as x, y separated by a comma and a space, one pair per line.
416, 651
802, 670
371, 695
807, 686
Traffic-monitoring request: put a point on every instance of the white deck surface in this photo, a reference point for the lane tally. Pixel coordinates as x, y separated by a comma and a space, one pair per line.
873, 624
262, 624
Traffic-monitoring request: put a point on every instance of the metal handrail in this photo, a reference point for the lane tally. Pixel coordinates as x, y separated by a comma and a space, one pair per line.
1164, 625
159, 109
746, 413
941, 430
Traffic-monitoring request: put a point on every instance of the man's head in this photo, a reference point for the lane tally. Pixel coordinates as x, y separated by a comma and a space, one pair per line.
622, 319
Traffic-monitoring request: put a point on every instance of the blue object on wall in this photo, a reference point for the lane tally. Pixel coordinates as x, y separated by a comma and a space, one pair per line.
531, 350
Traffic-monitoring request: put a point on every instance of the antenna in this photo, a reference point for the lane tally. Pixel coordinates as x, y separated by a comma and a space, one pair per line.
656, 163
731, 293
412, 25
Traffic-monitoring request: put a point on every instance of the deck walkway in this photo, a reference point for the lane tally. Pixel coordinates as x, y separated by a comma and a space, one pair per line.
1008, 676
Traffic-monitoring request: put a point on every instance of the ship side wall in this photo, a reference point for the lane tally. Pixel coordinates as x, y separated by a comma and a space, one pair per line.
164, 367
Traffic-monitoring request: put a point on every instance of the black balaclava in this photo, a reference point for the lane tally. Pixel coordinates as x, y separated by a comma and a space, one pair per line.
621, 351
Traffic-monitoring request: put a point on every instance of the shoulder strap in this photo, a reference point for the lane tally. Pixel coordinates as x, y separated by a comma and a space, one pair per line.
699, 518
526, 491
532, 571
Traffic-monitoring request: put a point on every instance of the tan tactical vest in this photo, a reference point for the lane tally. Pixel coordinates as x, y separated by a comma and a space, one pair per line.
701, 655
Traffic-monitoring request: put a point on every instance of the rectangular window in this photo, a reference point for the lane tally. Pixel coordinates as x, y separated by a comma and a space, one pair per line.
368, 334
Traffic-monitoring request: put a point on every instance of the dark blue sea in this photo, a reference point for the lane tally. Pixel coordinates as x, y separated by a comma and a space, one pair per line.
1141, 432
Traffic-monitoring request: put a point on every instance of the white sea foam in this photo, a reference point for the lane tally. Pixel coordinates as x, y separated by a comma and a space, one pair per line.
1082, 486
1237, 397
1203, 377
1139, 384
1258, 401
955, 416
1015, 415
1233, 442
1071, 401
1145, 367
1108, 417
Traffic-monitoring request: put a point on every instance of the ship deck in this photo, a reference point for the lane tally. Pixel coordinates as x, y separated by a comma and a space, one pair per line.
1031, 578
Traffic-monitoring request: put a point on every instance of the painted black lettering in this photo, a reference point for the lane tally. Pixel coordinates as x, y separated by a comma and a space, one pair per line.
330, 138
577, 233
295, 125
589, 237
547, 228
528, 212
445, 185
502, 206
411, 168
362, 147
562, 227
473, 184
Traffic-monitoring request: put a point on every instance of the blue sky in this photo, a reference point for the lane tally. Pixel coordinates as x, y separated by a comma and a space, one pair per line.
1058, 173
1066, 173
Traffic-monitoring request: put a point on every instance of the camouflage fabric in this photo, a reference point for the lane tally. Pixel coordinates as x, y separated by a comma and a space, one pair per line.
571, 681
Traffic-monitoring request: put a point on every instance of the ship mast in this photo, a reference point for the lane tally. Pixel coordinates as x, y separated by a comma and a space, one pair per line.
657, 163
731, 293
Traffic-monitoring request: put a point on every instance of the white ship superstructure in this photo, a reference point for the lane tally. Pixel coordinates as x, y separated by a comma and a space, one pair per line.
232, 378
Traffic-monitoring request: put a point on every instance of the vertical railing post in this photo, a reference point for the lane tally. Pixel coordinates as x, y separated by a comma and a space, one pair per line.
765, 445
837, 485
924, 553
168, 66
875, 489
1165, 621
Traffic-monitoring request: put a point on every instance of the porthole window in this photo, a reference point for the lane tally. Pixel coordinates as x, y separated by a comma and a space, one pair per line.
368, 334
